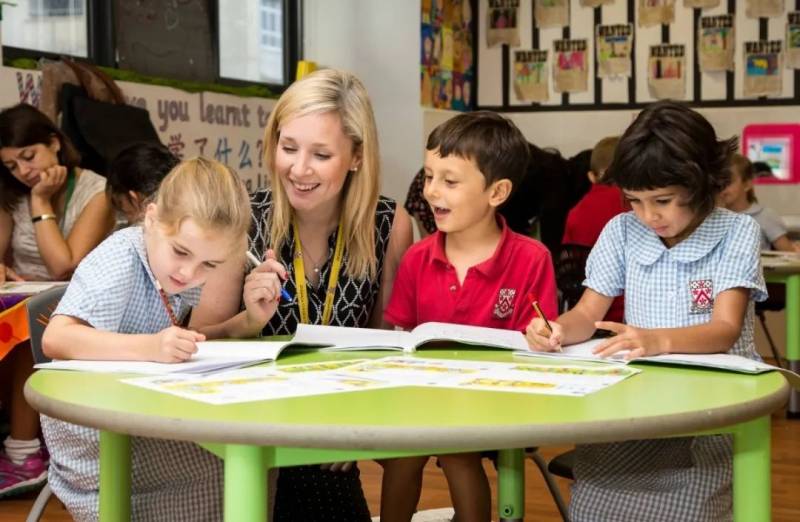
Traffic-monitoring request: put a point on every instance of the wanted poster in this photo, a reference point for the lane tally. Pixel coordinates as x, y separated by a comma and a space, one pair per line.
613, 44
655, 12
530, 75
551, 13
715, 43
666, 71
503, 23
792, 54
570, 66
763, 74
763, 8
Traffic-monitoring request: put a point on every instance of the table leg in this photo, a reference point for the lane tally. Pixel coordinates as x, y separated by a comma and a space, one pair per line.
793, 338
511, 485
246, 470
751, 471
115, 477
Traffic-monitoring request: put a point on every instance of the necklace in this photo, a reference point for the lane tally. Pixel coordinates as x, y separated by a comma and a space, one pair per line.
316, 263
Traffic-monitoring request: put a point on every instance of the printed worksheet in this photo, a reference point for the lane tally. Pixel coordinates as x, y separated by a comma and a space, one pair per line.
262, 383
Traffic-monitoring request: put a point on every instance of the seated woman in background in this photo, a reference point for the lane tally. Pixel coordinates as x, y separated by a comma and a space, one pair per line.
134, 176
739, 196
51, 215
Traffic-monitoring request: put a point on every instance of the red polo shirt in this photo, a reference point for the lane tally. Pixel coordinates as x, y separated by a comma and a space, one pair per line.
588, 217
585, 222
494, 292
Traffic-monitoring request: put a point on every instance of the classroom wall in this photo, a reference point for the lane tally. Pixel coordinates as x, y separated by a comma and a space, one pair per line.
377, 40
227, 128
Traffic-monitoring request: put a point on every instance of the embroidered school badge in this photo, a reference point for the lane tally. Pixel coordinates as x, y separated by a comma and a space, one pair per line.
505, 303
702, 292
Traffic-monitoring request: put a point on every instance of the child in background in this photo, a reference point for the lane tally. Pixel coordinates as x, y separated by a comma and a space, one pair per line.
128, 301
474, 270
740, 196
134, 176
588, 217
690, 273
52, 213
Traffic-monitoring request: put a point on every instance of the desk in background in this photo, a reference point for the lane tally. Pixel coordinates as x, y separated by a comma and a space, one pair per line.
786, 270
252, 437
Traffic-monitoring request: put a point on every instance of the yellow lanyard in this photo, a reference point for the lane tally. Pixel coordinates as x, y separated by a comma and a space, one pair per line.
300, 277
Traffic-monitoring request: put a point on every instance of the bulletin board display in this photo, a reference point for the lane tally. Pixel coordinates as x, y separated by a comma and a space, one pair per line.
555, 55
777, 145
447, 54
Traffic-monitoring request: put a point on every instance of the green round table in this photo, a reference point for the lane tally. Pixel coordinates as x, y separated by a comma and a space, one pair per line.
255, 436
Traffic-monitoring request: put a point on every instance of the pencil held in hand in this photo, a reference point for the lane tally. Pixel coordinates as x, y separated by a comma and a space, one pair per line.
535, 305
255, 262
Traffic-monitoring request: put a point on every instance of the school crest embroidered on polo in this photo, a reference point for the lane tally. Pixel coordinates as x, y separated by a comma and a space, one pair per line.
505, 303
702, 291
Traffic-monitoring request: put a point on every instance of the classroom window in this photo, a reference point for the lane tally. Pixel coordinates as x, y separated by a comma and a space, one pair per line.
251, 40
54, 26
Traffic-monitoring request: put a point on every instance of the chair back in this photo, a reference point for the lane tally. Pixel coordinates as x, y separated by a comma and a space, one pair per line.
40, 308
570, 268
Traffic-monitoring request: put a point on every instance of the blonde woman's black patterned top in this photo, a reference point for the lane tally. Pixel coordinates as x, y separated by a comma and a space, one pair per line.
308, 492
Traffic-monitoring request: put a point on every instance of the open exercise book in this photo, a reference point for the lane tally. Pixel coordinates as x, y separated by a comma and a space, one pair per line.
223, 355
29, 287
721, 361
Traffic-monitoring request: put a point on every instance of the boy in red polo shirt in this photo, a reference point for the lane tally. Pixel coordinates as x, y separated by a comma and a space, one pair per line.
588, 217
473, 270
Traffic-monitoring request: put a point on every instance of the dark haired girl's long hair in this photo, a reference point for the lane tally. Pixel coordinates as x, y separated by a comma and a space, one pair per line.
22, 126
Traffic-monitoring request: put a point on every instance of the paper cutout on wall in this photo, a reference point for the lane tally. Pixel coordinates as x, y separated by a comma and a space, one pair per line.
655, 12
595, 3
666, 71
530, 75
700, 4
551, 13
502, 23
763, 73
570, 65
614, 44
715, 38
792, 53
763, 8
446, 49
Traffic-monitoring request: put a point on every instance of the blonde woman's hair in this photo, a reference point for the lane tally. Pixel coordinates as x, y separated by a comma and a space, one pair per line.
209, 193
332, 91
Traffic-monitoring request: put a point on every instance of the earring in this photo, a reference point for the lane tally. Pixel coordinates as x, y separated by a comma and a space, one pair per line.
354, 169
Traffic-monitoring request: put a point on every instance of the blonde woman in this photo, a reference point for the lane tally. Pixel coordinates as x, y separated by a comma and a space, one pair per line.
321, 149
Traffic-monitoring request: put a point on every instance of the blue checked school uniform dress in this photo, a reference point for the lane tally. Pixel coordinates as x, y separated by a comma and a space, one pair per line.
678, 479
114, 290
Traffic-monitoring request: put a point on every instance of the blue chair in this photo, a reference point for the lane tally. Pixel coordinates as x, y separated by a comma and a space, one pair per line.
40, 307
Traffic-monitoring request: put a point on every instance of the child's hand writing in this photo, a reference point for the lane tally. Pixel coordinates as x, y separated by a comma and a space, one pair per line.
262, 290
639, 342
175, 344
541, 339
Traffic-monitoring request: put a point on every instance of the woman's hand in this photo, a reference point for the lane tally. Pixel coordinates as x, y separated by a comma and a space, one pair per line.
541, 339
50, 181
175, 344
262, 291
6, 274
639, 342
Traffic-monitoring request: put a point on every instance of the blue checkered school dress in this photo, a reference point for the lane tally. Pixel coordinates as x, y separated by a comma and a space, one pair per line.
678, 479
114, 290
